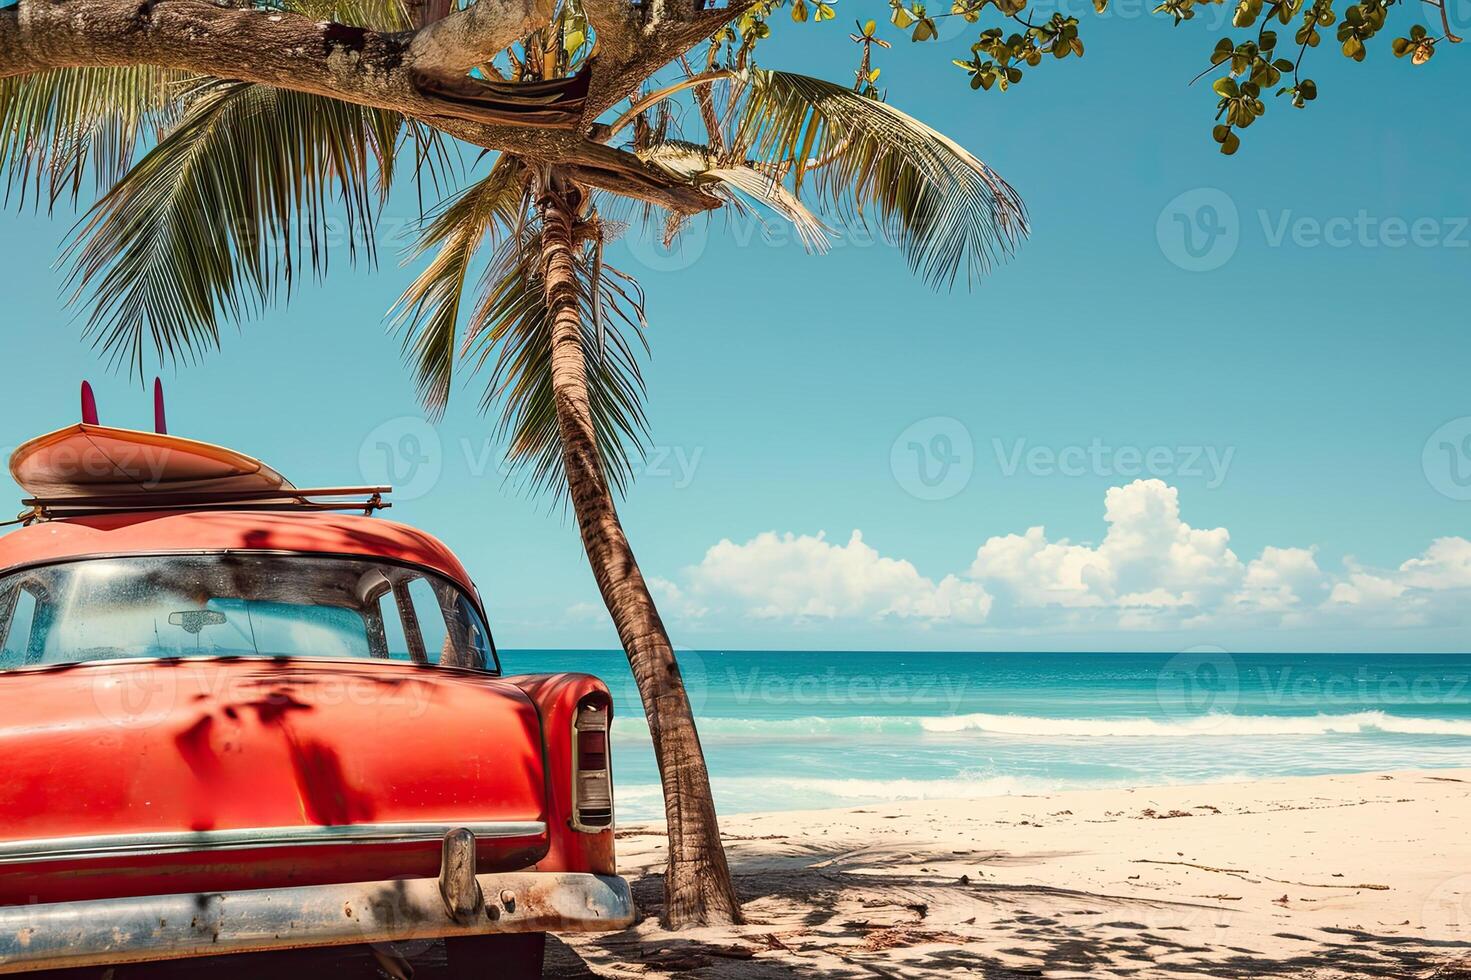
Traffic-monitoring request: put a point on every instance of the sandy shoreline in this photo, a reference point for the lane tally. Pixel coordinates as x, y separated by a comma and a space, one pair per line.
1329, 876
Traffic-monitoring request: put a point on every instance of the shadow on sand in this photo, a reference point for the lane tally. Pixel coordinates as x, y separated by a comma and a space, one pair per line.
833, 914
846, 915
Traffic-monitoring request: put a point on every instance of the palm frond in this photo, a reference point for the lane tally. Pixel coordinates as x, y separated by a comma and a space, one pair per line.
512, 334
56, 126
701, 164
438, 160
770, 191
944, 207
428, 312
217, 219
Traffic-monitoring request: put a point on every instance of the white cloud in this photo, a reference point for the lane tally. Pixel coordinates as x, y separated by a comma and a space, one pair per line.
796, 577
1446, 564
1432, 588
672, 600
1150, 571
1283, 581
1148, 558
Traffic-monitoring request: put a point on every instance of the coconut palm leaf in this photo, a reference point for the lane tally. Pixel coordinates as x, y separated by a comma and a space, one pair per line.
769, 190
219, 217
512, 336
428, 312
57, 125
700, 164
944, 207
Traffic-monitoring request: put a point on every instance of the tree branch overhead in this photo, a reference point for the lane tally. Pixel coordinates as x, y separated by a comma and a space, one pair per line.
421, 74
472, 35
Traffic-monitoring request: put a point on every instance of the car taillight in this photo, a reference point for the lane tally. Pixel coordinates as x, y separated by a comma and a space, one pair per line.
592, 774
592, 750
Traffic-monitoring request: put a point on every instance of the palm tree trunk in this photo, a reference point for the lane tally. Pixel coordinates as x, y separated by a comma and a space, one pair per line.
697, 885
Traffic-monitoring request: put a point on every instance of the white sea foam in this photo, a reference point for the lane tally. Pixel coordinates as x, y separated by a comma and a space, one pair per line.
1360, 722
766, 728
743, 794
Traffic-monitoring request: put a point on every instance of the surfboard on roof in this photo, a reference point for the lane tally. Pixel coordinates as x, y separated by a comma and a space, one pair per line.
88, 460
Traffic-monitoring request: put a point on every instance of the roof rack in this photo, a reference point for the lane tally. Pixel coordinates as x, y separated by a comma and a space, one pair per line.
284, 498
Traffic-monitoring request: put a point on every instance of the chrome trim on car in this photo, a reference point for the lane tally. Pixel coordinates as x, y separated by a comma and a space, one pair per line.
183, 842
162, 927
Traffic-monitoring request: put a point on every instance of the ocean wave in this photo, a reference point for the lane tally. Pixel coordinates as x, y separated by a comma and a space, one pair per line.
746, 794
810, 726
1361, 722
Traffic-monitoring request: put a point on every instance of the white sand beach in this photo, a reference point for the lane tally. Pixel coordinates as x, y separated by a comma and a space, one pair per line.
1329, 876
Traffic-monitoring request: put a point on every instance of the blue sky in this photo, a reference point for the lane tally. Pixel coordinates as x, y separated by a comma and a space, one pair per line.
1290, 380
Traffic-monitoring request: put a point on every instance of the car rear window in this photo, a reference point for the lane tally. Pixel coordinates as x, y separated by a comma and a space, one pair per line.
236, 604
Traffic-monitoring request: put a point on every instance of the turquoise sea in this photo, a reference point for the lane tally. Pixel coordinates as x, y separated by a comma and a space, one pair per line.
804, 730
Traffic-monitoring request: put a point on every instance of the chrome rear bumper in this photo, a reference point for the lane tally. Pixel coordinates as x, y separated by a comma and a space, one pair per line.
159, 927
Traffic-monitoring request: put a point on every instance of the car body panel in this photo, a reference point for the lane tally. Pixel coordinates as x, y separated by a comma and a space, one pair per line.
173, 532
209, 746
557, 697
274, 786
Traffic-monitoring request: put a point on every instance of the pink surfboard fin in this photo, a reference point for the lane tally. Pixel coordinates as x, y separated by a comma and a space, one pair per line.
158, 421
89, 405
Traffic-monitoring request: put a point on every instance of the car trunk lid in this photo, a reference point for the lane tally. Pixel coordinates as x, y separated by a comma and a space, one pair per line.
149, 777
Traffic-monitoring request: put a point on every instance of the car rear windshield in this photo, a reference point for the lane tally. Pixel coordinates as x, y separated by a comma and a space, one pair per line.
237, 604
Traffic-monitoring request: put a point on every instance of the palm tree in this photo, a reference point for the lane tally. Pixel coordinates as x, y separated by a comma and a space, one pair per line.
217, 191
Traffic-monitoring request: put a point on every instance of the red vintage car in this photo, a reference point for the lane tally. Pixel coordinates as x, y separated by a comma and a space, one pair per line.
234, 718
